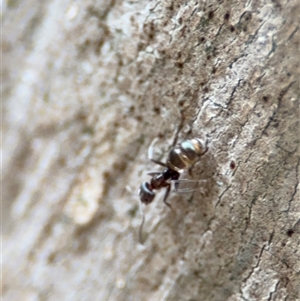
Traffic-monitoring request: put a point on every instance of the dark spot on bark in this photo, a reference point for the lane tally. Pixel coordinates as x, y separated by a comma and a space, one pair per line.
131, 109
232, 28
208, 57
266, 134
132, 212
226, 16
181, 102
265, 98
205, 90
149, 29
290, 232
180, 20
179, 65
251, 144
202, 39
283, 244
232, 165
140, 46
277, 4
151, 35
179, 55
62, 162
119, 165
156, 110
213, 71
139, 118
120, 62
161, 135
51, 258
248, 16
210, 14
81, 116
106, 175
88, 130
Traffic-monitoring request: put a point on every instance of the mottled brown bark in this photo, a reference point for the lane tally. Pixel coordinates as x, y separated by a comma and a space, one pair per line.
87, 86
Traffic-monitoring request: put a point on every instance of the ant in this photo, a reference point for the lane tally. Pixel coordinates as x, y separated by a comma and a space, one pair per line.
181, 157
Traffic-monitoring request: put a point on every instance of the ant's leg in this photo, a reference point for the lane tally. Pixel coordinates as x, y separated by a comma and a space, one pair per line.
179, 128
158, 162
153, 173
206, 147
186, 185
190, 171
168, 185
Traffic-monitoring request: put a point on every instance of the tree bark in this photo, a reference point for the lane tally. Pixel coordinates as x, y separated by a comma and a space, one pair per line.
87, 86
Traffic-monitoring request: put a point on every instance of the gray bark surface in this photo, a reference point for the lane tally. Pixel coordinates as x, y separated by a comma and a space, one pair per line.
87, 86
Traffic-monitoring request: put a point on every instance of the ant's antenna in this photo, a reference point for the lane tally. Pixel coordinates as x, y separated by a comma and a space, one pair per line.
141, 240
151, 147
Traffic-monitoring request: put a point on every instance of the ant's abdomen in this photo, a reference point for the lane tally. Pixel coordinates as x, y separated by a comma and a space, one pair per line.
185, 154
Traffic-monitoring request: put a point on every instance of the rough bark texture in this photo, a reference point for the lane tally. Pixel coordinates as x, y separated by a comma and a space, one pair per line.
87, 86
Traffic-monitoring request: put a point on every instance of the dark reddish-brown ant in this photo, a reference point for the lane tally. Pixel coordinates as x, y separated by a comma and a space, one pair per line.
181, 157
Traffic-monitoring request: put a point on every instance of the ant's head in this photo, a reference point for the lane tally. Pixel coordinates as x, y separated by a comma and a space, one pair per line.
146, 194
